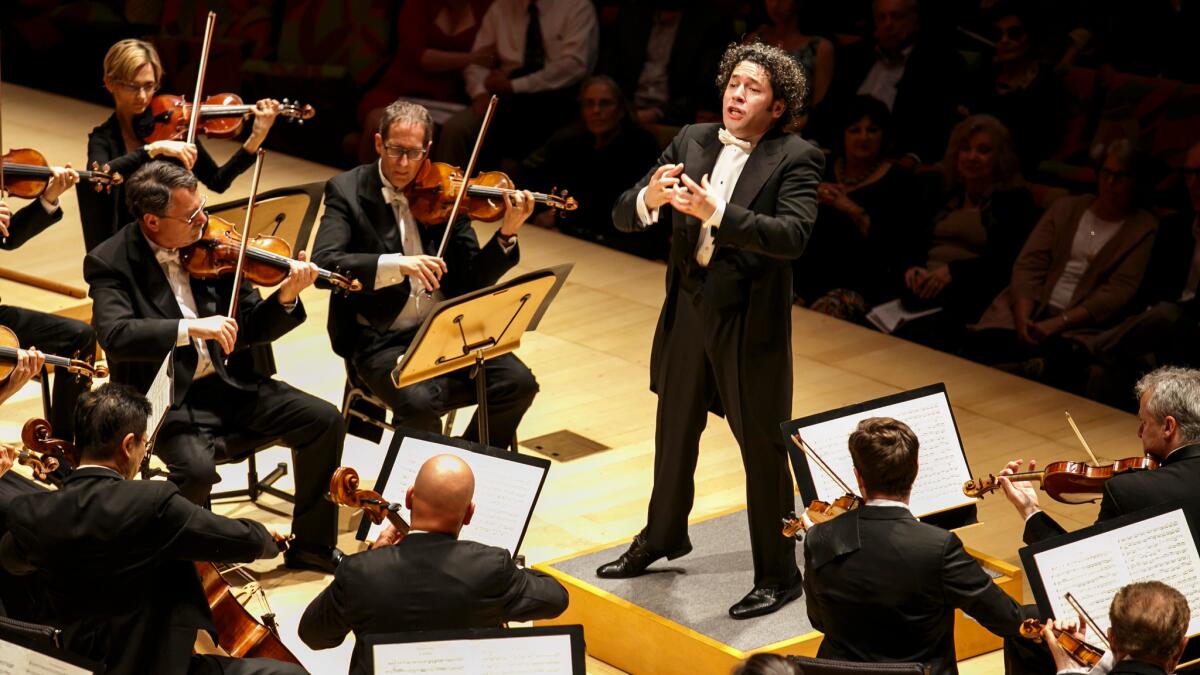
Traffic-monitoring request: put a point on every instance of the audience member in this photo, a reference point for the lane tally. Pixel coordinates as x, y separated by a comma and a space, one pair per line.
1077, 272
813, 52
764, 664
594, 160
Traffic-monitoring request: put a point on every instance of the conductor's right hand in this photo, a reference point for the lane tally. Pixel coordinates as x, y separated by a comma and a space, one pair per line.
425, 269
662, 185
217, 327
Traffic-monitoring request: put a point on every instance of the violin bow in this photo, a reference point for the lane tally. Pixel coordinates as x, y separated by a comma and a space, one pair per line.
483, 127
1079, 435
1088, 618
241, 261
194, 122
808, 450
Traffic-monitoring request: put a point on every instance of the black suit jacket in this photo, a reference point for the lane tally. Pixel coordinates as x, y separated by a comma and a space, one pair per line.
116, 559
427, 581
28, 222
882, 586
1174, 481
1136, 668
137, 317
767, 224
359, 226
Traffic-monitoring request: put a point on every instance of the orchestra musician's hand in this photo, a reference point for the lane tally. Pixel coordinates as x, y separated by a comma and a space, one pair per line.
1021, 494
8, 457
424, 269
265, 112
662, 185
518, 206
62, 178
5, 218
390, 536
184, 152
805, 522
934, 283
217, 327
302, 275
913, 277
1077, 629
29, 363
694, 198
497, 82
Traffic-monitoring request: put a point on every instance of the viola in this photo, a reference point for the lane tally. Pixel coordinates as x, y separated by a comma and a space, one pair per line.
221, 116
432, 192
821, 512
267, 258
81, 368
1067, 482
26, 173
344, 490
45, 452
1083, 653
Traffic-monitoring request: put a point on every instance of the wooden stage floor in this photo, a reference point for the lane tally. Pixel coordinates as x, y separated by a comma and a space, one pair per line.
590, 357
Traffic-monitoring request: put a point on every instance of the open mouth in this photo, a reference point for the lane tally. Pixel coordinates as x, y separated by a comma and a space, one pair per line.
735, 112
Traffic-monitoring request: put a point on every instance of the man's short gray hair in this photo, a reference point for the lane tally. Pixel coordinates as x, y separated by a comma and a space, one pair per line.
408, 112
1174, 391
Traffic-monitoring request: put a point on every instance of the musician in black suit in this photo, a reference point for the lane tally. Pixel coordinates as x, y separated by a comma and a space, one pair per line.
116, 555
883, 586
19, 598
369, 230
50, 333
1169, 428
741, 201
145, 305
429, 579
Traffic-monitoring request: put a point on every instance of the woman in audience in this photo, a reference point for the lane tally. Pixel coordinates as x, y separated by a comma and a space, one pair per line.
813, 52
865, 201
595, 160
975, 238
1075, 275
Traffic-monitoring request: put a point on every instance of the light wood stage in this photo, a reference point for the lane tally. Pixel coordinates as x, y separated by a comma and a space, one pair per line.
591, 356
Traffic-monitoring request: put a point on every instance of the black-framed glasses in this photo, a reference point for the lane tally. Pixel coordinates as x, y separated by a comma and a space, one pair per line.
198, 217
398, 151
135, 88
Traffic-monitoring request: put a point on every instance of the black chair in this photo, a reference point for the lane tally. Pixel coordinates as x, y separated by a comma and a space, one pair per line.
806, 665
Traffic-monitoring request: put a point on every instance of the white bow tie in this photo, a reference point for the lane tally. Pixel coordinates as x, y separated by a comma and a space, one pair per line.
391, 196
727, 138
167, 255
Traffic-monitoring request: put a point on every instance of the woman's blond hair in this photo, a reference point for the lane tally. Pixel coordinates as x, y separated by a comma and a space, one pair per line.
125, 58
1006, 171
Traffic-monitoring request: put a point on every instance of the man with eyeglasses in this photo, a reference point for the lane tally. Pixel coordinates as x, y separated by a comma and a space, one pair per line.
369, 231
226, 404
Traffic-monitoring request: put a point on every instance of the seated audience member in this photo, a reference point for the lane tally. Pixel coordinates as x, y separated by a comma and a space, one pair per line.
1169, 328
968, 255
765, 664
813, 52
866, 217
1076, 274
543, 50
1027, 96
883, 586
118, 565
662, 53
428, 579
594, 160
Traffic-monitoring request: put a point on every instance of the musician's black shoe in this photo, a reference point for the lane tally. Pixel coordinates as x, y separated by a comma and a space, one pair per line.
315, 557
766, 599
634, 561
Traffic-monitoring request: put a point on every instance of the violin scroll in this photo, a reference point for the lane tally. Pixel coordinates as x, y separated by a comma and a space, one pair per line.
976, 488
1083, 653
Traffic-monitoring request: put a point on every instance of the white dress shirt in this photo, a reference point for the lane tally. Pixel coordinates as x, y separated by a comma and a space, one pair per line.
570, 36
883, 77
181, 287
886, 502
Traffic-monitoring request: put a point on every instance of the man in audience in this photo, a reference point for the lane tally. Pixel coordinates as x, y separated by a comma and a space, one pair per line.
428, 579
883, 586
544, 48
117, 555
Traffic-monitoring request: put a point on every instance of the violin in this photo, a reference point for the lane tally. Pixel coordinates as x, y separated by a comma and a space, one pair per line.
43, 453
432, 192
1083, 653
267, 258
344, 490
820, 511
83, 369
1067, 482
221, 116
26, 173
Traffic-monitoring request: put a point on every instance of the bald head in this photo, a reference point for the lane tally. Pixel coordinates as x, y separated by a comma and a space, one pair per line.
440, 497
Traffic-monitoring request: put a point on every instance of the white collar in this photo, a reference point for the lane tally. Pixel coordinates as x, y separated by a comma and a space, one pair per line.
888, 502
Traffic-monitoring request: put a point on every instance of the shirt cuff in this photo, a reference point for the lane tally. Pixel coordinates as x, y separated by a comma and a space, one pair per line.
181, 334
1032, 515
289, 306
507, 248
387, 272
714, 221
50, 207
646, 216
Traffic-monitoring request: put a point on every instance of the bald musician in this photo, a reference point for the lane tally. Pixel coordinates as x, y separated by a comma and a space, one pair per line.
429, 579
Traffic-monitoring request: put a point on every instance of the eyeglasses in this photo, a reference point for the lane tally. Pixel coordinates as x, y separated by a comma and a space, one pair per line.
397, 151
135, 88
198, 217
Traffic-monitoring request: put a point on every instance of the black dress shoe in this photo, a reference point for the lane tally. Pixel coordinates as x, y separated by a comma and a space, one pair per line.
315, 557
766, 599
634, 561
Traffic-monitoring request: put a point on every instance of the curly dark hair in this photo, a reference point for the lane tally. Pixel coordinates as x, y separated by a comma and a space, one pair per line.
788, 81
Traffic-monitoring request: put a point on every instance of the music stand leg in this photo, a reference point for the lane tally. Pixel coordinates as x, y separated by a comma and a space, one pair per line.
481, 396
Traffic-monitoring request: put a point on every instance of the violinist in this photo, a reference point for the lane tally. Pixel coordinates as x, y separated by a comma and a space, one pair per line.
883, 586
1169, 428
133, 74
369, 230
428, 579
115, 554
226, 403
51, 333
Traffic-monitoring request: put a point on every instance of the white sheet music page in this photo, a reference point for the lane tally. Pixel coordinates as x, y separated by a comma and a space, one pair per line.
942, 466
523, 655
504, 491
1094, 569
18, 660
160, 395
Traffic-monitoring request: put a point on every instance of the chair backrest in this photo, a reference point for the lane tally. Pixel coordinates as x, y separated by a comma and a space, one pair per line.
45, 636
812, 666
288, 213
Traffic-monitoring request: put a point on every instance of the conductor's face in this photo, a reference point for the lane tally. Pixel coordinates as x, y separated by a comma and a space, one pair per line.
402, 152
749, 107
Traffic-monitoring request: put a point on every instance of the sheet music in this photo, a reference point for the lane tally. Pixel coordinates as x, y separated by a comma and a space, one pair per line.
18, 660
523, 655
505, 491
160, 395
1094, 569
942, 467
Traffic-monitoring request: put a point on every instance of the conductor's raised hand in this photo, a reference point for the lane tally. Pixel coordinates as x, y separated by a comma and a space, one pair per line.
694, 198
217, 327
662, 185
423, 269
301, 275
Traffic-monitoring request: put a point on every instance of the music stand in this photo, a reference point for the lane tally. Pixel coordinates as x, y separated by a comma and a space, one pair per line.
481, 325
